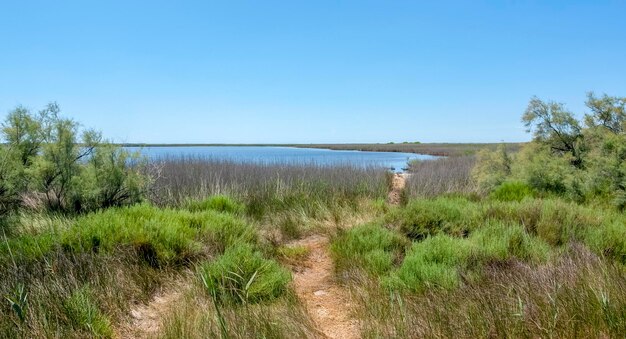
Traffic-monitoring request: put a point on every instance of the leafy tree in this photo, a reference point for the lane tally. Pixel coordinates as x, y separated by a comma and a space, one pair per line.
69, 168
112, 177
9, 180
22, 132
551, 124
608, 112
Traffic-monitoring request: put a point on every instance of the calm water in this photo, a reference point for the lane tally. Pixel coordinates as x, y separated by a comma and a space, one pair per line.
286, 155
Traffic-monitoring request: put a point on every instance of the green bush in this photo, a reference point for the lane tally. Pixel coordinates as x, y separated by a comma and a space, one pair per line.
498, 241
433, 264
219, 203
370, 247
511, 191
422, 218
67, 168
85, 314
609, 240
242, 275
555, 221
161, 236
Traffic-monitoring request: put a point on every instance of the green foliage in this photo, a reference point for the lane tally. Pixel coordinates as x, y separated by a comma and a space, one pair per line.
551, 124
433, 264
10, 182
219, 203
51, 159
511, 191
608, 240
242, 275
499, 241
293, 253
85, 314
111, 178
19, 303
492, 167
566, 159
160, 236
422, 217
607, 112
370, 247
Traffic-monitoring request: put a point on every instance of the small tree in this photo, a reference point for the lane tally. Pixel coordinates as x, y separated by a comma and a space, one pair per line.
492, 167
551, 124
607, 112
71, 169
112, 176
22, 133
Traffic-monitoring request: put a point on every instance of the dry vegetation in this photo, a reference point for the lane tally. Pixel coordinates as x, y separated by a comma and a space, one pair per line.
438, 149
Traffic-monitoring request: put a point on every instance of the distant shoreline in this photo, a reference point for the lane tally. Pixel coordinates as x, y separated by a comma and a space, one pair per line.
436, 149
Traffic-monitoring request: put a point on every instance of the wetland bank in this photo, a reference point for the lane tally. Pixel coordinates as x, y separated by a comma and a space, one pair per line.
98, 241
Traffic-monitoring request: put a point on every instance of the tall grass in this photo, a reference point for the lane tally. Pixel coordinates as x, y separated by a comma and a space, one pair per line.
198, 316
264, 188
488, 268
81, 275
577, 296
441, 176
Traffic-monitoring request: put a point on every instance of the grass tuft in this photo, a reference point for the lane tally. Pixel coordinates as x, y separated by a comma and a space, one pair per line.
242, 275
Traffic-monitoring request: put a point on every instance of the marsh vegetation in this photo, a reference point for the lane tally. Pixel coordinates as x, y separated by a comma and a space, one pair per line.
510, 241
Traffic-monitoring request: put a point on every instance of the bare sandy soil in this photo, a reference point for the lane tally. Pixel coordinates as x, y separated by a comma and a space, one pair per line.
327, 302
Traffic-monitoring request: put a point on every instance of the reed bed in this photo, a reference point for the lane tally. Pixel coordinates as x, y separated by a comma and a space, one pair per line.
446, 175
176, 180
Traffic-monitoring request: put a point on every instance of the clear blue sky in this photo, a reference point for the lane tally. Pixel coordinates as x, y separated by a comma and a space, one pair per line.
315, 71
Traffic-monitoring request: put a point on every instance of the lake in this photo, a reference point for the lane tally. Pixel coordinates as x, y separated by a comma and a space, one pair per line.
285, 155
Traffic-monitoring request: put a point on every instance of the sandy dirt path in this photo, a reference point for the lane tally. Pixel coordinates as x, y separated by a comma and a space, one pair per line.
327, 302
146, 320
398, 184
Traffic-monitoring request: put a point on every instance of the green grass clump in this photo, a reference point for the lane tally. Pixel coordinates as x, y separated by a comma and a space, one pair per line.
555, 221
499, 241
218, 203
370, 247
433, 264
161, 236
608, 240
511, 191
85, 314
422, 218
242, 275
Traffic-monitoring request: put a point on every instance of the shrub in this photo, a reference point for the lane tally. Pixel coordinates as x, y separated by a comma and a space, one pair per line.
492, 167
498, 241
422, 218
68, 168
242, 275
511, 191
370, 247
161, 236
433, 264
